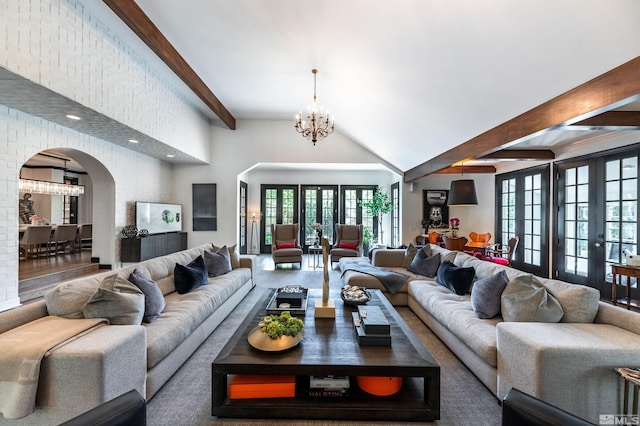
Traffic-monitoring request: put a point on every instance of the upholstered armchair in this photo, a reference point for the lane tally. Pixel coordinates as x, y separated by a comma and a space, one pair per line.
285, 244
348, 242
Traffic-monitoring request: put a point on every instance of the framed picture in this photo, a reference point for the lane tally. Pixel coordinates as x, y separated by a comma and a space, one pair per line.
435, 213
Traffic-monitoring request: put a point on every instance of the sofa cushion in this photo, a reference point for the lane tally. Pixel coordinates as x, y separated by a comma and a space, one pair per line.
285, 244
218, 263
185, 312
525, 299
153, 299
486, 294
188, 277
425, 265
67, 299
579, 302
351, 245
118, 308
456, 314
455, 278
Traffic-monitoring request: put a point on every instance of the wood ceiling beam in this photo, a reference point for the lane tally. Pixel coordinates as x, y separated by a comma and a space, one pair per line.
611, 120
132, 15
605, 92
461, 170
520, 155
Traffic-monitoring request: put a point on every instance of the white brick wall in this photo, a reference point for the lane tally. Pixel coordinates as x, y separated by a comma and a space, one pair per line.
59, 45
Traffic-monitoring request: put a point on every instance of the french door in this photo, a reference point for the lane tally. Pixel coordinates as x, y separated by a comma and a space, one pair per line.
522, 209
319, 208
242, 238
597, 221
280, 206
352, 213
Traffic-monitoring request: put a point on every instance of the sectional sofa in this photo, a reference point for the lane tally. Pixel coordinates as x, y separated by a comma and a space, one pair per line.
568, 363
114, 359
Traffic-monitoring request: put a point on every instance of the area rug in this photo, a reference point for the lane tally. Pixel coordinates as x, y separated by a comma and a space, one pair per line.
186, 399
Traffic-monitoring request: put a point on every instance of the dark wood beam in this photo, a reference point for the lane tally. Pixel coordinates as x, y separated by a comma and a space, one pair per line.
611, 120
139, 22
461, 170
605, 92
520, 155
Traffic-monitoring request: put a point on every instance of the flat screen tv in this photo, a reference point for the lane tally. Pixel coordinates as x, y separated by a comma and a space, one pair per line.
158, 217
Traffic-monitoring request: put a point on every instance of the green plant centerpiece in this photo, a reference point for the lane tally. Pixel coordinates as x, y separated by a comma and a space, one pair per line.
276, 333
276, 326
379, 205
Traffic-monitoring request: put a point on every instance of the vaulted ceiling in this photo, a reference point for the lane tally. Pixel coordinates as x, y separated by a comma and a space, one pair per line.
409, 80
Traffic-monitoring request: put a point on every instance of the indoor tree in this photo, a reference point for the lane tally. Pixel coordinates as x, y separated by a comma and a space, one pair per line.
379, 205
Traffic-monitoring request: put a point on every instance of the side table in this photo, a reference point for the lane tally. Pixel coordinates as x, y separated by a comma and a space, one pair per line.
631, 377
629, 271
315, 253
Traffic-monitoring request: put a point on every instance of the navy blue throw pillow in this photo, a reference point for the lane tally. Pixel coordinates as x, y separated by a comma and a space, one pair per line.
455, 278
188, 277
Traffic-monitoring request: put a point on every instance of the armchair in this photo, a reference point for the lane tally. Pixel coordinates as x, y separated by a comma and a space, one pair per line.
503, 256
285, 244
348, 242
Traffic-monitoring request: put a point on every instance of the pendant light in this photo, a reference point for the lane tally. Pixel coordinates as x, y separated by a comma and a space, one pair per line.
463, 192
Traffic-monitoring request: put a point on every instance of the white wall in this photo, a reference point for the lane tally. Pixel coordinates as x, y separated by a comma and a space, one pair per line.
254, 142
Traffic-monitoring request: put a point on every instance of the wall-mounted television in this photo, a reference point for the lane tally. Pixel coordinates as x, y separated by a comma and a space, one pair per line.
158, 217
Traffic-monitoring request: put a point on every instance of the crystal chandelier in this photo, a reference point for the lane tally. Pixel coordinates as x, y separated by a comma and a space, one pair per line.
52, 188
315, 125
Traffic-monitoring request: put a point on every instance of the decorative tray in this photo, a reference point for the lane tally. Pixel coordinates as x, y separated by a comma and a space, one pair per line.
263, 342
274, 309
354, 295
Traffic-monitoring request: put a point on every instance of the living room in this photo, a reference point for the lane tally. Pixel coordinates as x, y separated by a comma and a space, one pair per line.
91, 65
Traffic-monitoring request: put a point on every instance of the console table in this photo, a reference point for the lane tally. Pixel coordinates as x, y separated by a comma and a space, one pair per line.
629, 271
142, 248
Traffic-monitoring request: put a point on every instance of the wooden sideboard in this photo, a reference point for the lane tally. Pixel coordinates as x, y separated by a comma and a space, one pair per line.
142, 248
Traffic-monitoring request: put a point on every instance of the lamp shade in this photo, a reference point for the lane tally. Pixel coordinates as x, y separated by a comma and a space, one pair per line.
463, 193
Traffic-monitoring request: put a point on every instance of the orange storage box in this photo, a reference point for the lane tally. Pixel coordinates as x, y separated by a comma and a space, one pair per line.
261, 386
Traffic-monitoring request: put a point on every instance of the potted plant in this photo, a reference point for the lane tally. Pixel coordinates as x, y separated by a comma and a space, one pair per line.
379, 205
366, 241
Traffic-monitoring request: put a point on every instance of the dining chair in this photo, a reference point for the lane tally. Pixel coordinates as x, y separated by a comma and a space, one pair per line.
454, 243
480, 238
84, 236
64, 236
503, 256
34, 239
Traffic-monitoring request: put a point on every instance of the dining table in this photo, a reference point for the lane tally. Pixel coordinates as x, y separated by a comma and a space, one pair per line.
478, 246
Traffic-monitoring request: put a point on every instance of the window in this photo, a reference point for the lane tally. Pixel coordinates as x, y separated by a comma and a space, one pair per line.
352, 213
395, 215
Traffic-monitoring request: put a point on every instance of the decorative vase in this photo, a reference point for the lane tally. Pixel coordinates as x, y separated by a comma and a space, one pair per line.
129, 231
454, 232
143, 233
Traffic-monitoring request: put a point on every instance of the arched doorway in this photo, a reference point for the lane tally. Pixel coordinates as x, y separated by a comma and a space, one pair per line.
95, 206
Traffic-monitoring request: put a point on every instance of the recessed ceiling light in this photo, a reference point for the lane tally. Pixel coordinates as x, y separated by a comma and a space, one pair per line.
170, 155
73, 117
133, 141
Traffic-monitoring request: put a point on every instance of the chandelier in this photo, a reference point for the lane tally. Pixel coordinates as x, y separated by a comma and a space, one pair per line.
52, 188
315, 125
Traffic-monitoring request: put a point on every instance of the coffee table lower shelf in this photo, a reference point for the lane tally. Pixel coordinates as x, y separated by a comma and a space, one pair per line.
406, 405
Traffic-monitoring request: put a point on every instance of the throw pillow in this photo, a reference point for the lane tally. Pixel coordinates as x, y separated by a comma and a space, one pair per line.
285, 244
455, 278
154, 302
118, 308
217, 263
579, 302
485, 297
348, 245
427, 250
423, 265
233, 254
191, 276
67, 299
526, 300
409, 254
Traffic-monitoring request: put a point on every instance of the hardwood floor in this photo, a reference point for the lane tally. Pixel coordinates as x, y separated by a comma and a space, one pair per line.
36, 276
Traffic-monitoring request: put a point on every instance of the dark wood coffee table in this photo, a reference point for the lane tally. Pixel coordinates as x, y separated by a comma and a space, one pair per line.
331, 348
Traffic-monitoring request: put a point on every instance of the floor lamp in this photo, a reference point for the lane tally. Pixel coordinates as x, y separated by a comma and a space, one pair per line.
254, 231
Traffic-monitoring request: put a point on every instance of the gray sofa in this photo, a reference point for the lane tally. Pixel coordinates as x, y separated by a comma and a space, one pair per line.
568, 364
114, 359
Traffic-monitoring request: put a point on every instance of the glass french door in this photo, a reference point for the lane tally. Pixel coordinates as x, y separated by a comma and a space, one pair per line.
242, 237
597, 218
319, 212
280, 206
352, 213
522, 210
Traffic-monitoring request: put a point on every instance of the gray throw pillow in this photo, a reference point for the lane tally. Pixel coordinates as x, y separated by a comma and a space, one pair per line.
218, 263
486, 294
118, 308
526, 300
423, 265
154, 302
67, 299
234, 254
409, 254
